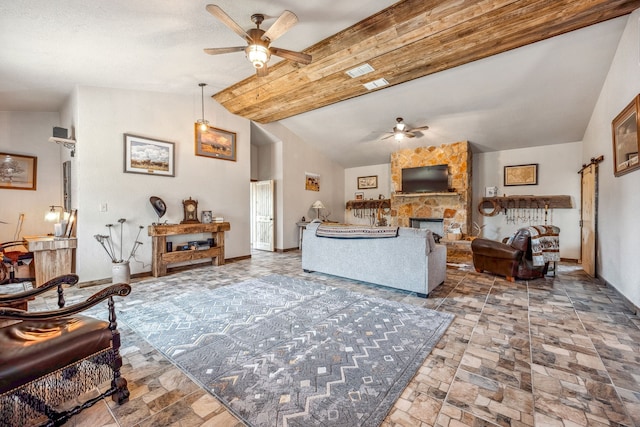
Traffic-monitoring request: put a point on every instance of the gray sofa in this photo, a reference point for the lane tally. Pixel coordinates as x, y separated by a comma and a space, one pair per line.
412, 261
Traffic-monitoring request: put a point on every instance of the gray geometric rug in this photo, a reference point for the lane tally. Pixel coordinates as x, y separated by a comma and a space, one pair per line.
281, 351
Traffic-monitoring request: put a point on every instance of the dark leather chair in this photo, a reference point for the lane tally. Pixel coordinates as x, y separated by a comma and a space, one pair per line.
511, 258
12, 257
50, 358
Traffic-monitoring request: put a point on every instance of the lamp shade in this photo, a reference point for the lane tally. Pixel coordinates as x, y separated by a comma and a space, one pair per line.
318, 205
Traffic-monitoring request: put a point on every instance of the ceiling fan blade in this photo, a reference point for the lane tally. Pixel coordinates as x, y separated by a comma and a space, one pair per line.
219, 50
263, 71
408, 135
418, 129
299, 57
226, 20
285, 21
387, 137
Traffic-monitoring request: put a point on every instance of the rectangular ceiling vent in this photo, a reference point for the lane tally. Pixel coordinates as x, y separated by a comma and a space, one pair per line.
360, 71
376, 84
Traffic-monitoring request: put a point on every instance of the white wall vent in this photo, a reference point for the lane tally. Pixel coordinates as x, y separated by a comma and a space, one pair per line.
360, 70
376, 84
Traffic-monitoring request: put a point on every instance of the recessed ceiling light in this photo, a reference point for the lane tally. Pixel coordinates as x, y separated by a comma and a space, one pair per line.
376, 84
360, 70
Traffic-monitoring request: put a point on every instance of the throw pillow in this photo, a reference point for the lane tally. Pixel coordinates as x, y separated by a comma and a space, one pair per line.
431, 242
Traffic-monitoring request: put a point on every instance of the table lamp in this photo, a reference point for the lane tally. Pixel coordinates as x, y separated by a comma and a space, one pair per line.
317, 205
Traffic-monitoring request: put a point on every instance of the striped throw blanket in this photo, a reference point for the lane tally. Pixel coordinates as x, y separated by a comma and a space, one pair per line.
355, 231
545, 243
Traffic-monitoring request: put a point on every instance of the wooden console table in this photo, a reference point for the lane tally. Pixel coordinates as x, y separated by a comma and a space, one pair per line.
161, 258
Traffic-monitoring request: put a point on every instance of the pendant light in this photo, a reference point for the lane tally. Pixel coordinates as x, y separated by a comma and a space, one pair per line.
204, 124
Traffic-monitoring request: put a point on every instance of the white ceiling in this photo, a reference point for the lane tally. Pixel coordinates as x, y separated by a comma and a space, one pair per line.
537, 95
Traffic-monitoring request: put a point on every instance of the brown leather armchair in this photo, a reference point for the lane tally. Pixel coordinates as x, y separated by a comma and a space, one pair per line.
50, 358
511, 258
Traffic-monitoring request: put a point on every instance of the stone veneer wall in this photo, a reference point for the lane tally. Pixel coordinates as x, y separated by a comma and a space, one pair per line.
452, 207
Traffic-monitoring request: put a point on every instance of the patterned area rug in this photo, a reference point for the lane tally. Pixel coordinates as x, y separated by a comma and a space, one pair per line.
281, 351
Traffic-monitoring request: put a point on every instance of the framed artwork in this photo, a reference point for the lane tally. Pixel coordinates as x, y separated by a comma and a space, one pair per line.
521, 174
18, 172
148, 156
311, 181
359, 195
625, 139
215, 143
365, 182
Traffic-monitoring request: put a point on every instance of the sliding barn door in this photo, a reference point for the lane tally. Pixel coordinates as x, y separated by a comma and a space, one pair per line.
588, 220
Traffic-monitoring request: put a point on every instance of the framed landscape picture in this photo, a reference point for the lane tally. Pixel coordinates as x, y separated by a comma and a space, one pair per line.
18, 172
365, 182
521, 175
215, 143
626, 143
148, 156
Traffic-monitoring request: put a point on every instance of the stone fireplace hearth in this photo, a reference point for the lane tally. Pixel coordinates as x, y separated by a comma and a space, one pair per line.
453, 206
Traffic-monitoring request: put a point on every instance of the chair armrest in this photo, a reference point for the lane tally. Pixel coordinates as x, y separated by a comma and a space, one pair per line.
120, 289
67, 279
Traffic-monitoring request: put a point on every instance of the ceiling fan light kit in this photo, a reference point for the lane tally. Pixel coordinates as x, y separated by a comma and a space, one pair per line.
400, 131
258, 51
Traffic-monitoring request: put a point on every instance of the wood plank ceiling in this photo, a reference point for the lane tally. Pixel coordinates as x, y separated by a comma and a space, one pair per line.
411, 39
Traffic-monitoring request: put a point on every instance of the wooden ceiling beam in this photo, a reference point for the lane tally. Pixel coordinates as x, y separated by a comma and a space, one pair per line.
409, 40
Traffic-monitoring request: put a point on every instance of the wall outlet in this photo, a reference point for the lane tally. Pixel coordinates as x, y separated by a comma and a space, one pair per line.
103, 207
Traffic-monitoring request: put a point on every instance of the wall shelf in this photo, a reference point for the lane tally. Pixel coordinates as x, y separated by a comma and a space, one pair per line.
504, 203
369, 204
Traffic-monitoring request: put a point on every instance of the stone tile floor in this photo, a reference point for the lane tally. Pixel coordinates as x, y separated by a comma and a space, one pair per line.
558, 351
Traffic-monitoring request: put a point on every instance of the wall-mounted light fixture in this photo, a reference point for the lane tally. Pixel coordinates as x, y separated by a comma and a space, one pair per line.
204, 124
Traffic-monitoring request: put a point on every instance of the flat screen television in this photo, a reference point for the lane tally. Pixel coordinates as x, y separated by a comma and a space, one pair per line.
425, 179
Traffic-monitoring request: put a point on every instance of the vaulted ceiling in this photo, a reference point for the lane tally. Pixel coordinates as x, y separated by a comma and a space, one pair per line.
502, 74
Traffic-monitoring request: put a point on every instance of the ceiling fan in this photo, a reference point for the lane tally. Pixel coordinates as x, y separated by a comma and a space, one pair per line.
401, 131
258, 50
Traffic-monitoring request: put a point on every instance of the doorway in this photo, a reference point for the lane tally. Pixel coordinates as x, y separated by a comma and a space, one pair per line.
262, 209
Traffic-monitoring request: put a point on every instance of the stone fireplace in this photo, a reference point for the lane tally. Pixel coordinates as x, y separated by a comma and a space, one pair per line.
453, 206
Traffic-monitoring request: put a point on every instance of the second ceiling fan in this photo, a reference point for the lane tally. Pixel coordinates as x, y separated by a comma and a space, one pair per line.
258, 49
402, 131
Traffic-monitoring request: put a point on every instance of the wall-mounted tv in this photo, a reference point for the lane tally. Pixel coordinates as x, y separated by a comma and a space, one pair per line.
426, 179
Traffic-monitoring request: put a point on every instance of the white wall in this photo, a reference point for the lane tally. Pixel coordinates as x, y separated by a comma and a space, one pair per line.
220, 186
557, 175
27, 134
293, 200
383, 172
619, 198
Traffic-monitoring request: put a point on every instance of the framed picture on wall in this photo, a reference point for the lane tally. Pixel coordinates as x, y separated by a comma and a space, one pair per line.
18, 172
365, 182
521, 174
311, 181
626, 142
215, 143
148, 156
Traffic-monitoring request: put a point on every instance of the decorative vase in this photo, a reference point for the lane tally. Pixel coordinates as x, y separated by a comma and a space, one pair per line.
120, 272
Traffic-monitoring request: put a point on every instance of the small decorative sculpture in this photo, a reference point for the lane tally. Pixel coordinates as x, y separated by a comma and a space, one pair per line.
159, 206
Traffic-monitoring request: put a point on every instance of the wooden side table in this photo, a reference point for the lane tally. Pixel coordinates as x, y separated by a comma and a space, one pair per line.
52, 256
160, 258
